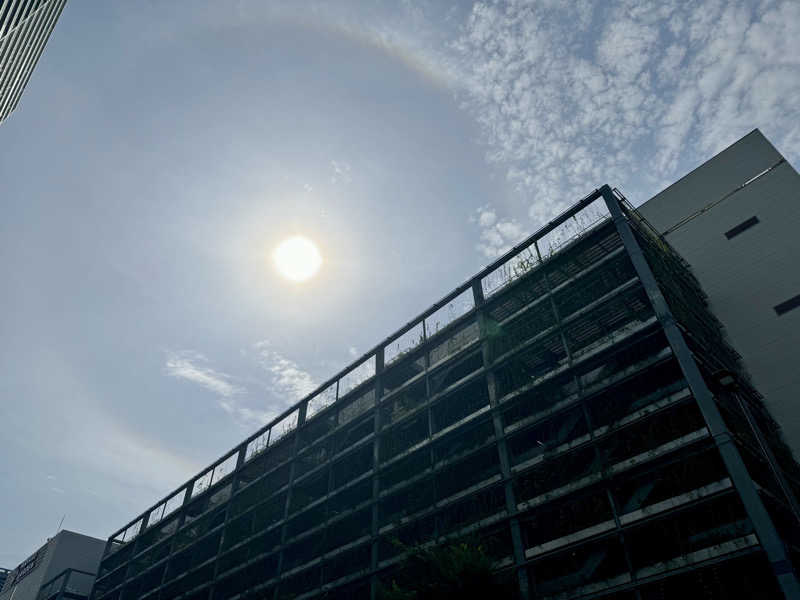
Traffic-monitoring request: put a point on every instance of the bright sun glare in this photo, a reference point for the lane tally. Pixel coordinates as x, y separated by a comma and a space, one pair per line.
297, 258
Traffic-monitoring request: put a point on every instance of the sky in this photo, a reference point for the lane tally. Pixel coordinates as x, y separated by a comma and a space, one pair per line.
162, 150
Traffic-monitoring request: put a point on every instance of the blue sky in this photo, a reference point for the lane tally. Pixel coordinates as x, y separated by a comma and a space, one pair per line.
162, 149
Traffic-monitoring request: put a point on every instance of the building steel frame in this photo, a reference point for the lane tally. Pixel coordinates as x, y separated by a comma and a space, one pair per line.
508, 412
25, 27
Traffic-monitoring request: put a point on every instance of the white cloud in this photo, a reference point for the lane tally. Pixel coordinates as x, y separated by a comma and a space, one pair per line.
486, 218
244, 415
341, 171
190, 365
497, 236
632, 93
288, 381
193, 366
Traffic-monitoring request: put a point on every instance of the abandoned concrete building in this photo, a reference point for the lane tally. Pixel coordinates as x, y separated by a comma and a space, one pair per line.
575, 407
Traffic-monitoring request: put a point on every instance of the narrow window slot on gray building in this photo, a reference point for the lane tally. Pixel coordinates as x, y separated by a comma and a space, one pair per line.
790, 304
741, 227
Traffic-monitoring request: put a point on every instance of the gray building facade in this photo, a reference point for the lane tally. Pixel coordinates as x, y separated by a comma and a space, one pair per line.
736, 221
574, 408
64, 567
25, 27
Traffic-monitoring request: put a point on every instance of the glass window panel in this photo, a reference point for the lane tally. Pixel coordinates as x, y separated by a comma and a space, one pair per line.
257, 445
404, 343
155, 515
283, 427
352, 379
202, 483
225, 468
457, 307
514, 268
321, 401
132, 531
175, 501
572, 228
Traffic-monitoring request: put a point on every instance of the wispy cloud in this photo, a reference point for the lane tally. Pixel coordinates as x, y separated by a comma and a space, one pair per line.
288, 380
246, 416
192, 366
341, 171
635, 92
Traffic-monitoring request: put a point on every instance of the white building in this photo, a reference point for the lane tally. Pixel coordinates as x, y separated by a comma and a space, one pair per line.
736, 220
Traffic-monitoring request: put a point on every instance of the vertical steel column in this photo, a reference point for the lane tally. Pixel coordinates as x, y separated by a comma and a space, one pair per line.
502, 447
376, 425
286, 505
240, 456
181, 518
762, 523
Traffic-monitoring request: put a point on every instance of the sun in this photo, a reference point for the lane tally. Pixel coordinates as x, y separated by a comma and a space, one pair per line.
297, 258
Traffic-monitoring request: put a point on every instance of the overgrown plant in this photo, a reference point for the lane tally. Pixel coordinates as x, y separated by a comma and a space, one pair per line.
460, 570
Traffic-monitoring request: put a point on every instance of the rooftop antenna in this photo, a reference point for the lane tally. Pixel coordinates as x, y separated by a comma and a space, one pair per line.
60, 523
